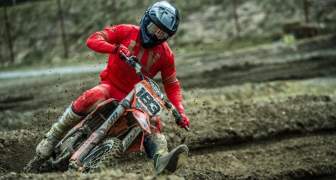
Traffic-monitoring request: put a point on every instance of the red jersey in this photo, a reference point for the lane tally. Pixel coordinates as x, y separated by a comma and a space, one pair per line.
117, 73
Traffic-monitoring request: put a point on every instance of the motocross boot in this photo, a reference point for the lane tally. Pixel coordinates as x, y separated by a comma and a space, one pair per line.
164, 161
57, 131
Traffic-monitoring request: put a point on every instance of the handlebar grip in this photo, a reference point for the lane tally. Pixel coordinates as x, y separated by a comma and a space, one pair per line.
175, 113
123, 56
177, 116
129, 60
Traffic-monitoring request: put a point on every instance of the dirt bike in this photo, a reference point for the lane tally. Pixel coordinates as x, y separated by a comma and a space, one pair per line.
112, 129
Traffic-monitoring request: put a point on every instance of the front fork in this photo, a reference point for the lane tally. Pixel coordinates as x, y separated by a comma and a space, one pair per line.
101, 132
130, 137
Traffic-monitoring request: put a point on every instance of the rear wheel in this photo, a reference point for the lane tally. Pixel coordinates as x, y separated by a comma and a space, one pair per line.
101, 154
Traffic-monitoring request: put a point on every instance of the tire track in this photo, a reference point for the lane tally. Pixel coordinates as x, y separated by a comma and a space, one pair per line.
242, 122
230, 152
321, 66
232, 161
214, 145
263, 122
297, 157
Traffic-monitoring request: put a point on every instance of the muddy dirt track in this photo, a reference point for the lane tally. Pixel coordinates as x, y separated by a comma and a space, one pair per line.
265, 121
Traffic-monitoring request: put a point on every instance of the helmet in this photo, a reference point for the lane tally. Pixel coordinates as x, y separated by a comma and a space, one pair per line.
159, 22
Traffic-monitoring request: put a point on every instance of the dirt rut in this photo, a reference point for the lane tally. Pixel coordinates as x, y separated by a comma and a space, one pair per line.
319, 66
301, 126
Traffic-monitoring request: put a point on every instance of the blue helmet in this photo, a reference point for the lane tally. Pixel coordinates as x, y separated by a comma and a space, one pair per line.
159, 22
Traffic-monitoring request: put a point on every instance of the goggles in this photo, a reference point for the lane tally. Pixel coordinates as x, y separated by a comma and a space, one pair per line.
154, 30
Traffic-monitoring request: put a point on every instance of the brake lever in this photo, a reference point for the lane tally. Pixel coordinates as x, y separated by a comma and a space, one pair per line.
129, 60
132, 61
123, 56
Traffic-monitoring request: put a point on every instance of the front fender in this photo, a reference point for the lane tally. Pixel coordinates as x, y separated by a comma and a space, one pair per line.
143, 120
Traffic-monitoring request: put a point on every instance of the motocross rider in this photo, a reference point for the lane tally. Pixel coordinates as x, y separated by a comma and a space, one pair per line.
148, 43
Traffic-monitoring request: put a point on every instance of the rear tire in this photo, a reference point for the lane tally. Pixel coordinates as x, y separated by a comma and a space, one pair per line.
101, 154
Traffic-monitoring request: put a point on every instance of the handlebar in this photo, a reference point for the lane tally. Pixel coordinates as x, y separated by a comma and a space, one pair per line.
133, 62
176, 114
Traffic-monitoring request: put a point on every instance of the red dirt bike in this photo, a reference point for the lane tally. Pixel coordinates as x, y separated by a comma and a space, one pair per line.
112, 129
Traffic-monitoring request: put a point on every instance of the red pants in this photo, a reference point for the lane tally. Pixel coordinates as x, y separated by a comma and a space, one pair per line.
85, 103
88, 101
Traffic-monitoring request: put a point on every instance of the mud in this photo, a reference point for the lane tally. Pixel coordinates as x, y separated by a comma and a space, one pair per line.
243, 73
16, 148
273, 120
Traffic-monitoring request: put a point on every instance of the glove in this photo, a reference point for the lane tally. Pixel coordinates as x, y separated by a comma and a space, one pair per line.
185, 121
123, 49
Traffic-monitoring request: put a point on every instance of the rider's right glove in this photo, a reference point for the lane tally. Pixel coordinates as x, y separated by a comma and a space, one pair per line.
121, 49
185, 123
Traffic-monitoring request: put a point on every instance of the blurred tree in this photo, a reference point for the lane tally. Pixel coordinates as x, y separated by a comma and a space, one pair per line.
8, 34
63, 33
236, 16
306, 6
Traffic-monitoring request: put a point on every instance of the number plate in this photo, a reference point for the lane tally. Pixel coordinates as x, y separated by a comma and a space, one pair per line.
147, 101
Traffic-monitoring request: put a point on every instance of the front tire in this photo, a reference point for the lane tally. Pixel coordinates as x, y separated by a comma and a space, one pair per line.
104, 152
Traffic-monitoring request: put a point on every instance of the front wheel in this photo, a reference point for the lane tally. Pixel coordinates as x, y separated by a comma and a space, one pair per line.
103, 152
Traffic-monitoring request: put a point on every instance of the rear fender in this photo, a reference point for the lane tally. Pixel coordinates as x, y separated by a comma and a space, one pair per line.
143, 119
